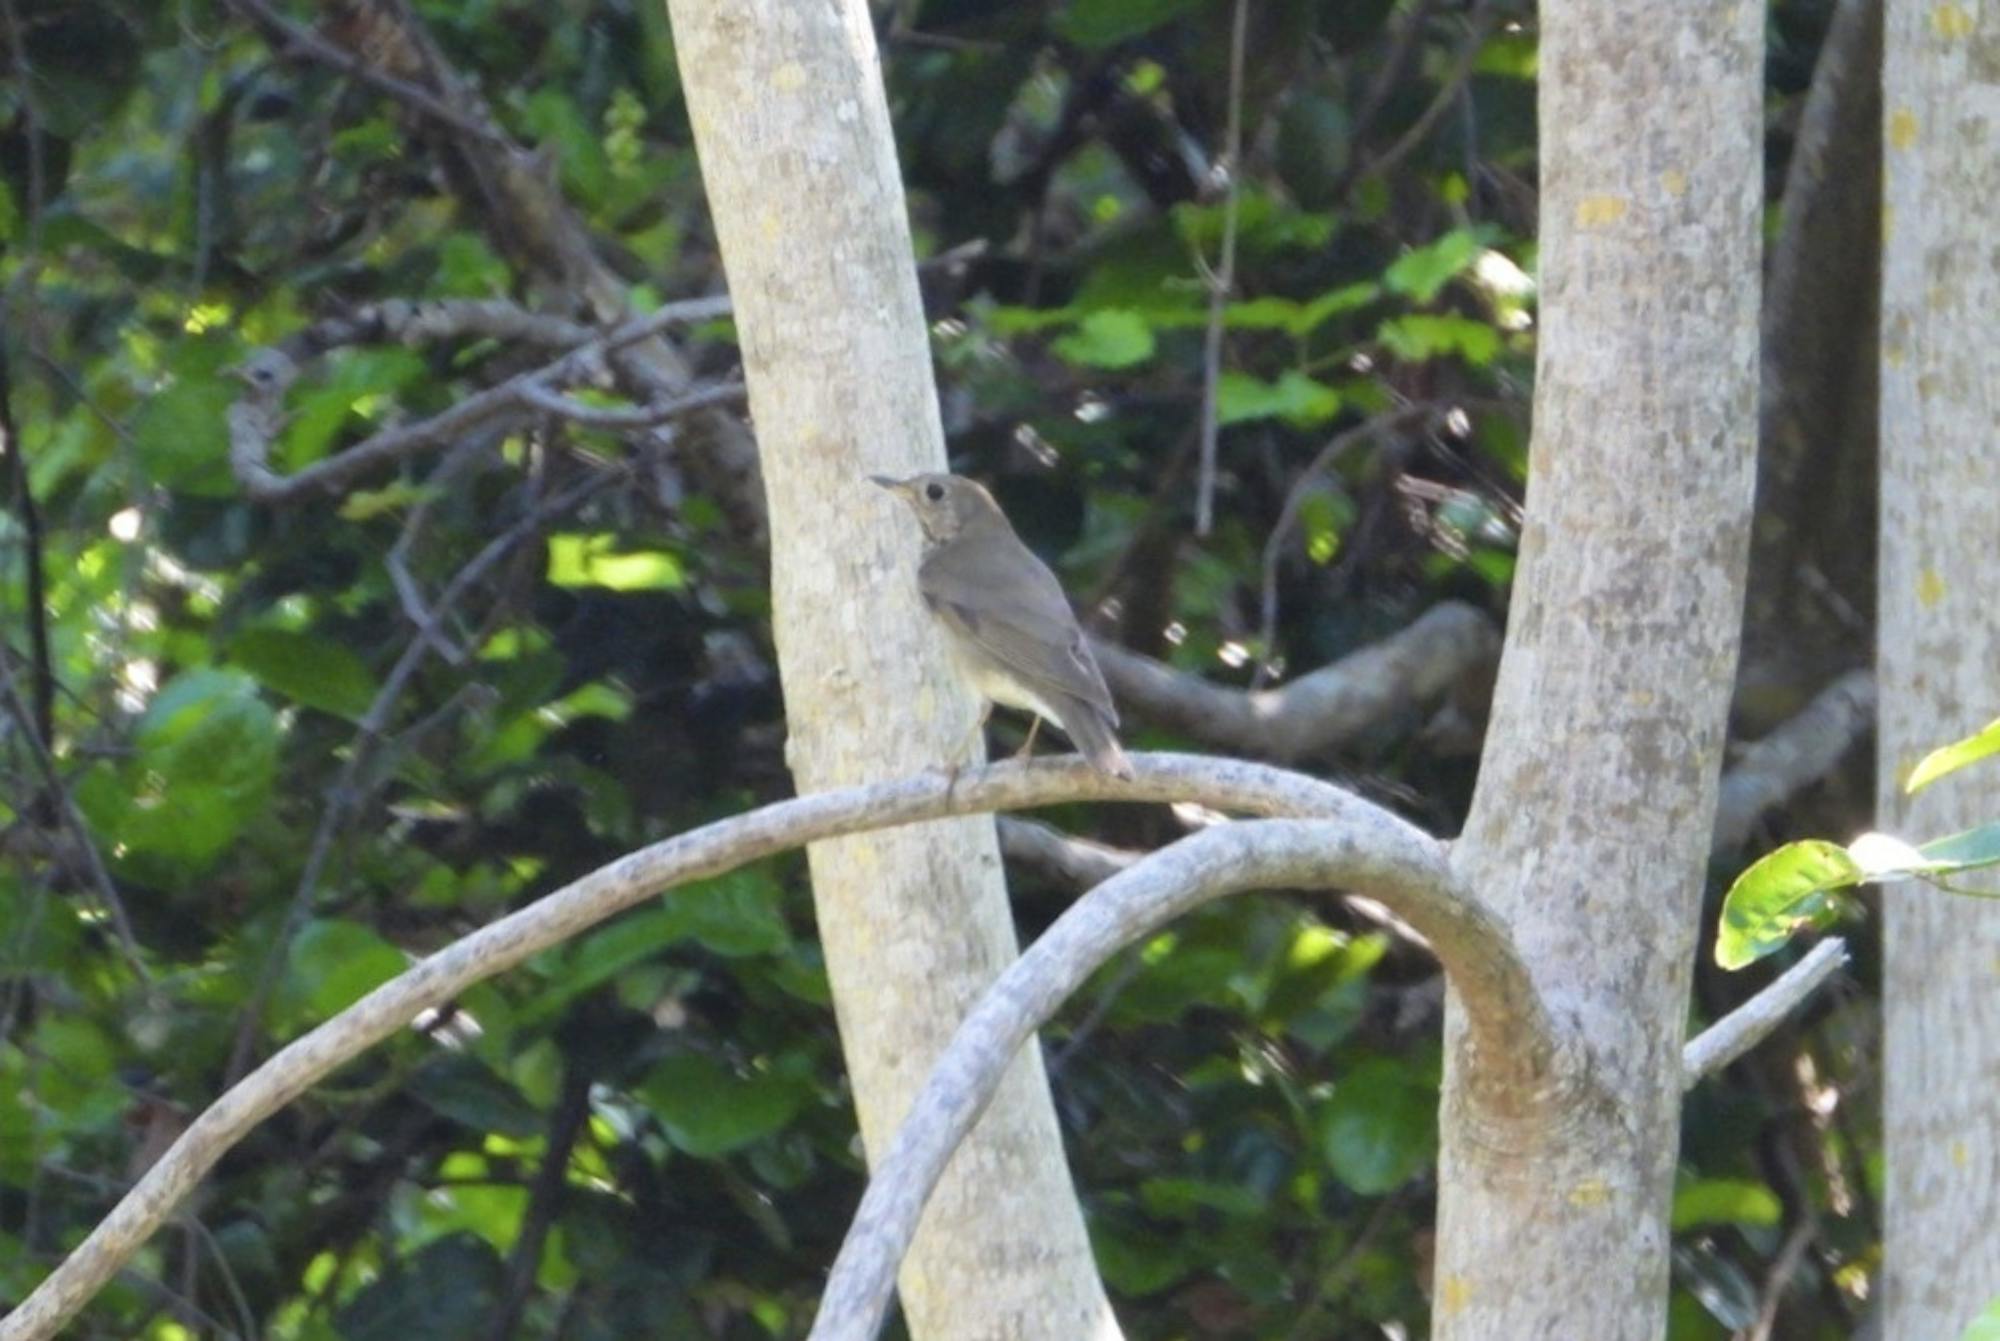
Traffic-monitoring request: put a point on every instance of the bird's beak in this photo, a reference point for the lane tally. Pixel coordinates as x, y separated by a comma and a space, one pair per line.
889, 482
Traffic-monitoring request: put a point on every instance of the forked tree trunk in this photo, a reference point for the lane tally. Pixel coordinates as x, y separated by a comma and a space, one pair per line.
1590, 827
1939, 663
792, 126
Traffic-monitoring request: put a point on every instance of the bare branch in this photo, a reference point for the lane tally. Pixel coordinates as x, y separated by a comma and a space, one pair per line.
1792, 757
1077, 863
257, 418
1360, 843
1323, 710
1391, 861
1746, 1026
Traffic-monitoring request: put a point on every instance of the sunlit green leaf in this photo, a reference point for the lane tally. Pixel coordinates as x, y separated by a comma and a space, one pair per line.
1950, 758
1294, 397
1107, 339
1422, 335
597, 561
1421, 274
1725, 1201
1783, 892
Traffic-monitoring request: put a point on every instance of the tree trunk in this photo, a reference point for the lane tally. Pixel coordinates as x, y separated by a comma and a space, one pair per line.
792, 126
1590, 827
1939, 660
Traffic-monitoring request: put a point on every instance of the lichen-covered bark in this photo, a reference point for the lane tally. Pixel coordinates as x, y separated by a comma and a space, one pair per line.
1939, 661
792, 126
1590, 828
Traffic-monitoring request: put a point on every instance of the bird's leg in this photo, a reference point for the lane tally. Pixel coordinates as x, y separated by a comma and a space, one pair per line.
963, 754
1028, 745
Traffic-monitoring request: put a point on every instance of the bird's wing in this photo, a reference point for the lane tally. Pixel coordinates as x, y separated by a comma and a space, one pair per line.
1014, 627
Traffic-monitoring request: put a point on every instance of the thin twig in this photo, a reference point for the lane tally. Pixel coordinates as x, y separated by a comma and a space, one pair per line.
1749, 1024
1783, 1267
1223, 279
1346, 825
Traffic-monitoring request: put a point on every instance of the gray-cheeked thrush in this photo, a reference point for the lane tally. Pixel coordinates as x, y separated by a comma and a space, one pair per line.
1007, 623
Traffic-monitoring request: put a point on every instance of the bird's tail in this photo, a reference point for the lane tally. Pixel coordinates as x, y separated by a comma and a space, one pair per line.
1090, 728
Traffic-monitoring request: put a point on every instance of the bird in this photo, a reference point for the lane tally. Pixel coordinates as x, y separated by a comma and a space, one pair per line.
1008, 626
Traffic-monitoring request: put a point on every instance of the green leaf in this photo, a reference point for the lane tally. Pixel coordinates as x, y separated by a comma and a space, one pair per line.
554, 120
596, 561
1380, 1127
1779, 894
315, 671
1725, 1201
364, 382
707, 1109
1294, 397
1966, 851
463, 1089
1420, 335
1103, 23
205, 757
1333, 303
1113, 338
1421, 275
736, 915
1135, 1260
1952, 757
447, 1291
181, 436
1985, 1327
333, 964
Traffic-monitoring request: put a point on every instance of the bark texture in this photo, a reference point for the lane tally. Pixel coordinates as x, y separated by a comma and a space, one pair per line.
1590, 828
792, 126
1939, 659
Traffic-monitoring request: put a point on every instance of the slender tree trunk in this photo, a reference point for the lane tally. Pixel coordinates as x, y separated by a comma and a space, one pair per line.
1939, 660
1590, 827
792, 126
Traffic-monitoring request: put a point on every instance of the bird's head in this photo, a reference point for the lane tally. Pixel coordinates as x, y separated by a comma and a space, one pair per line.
947, 506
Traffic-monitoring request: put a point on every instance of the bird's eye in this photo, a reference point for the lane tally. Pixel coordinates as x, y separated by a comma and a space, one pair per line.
934, 491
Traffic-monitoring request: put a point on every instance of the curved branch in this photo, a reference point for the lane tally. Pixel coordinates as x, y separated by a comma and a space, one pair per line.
1460, 929
1380, 854
1323, 710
